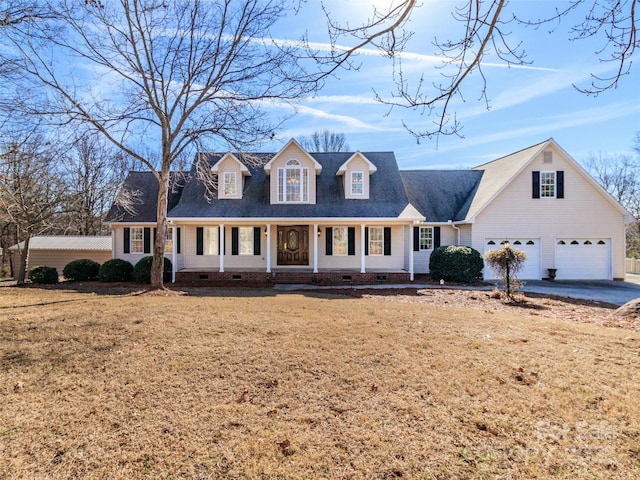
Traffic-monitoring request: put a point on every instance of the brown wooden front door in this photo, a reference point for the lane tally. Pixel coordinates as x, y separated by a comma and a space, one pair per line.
293, 245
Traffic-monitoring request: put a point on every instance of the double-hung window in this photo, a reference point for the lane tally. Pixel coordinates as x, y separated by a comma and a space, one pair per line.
376, 240
293, 183
426, 238
245, 240
210, 240
137, 240
547, 184
357, 183
229, 185
168, 241
340, 240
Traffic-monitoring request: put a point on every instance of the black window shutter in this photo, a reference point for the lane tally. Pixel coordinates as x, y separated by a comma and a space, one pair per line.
199, 241
256, 240
351, 243
436, 237
387, 240
535, 184
328, 232
366, 240
127, 240
560, 184
154, 235
416, 239
147, 240
178, 240
234, 241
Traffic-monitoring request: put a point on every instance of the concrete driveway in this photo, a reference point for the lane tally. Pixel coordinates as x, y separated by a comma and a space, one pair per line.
617, 293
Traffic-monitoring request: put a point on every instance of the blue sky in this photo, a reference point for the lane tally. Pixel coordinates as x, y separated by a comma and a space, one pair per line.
528, 105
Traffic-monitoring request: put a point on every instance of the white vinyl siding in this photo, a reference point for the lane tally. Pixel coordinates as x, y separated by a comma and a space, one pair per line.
586, 213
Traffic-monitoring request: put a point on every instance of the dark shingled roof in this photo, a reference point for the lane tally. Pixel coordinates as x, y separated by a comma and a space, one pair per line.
387, 194
143, 187
441, 195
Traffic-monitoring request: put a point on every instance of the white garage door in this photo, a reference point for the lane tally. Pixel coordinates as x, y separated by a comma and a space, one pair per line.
583, 259
530, 246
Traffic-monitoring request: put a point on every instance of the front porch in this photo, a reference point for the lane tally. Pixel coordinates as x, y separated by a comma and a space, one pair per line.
302, 275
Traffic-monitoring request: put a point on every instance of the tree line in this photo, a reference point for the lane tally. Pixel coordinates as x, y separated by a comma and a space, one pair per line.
197, 75
54, 185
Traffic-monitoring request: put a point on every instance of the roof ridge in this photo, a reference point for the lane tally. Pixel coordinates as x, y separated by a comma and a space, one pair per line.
514, 153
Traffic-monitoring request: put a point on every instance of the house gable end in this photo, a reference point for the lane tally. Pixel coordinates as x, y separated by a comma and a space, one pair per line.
356, 172
231, 173
547, 157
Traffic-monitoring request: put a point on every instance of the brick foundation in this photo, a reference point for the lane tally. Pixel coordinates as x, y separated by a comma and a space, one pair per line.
263, 278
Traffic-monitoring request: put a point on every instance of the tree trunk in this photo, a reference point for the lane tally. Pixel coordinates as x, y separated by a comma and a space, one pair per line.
157, 268
22, 268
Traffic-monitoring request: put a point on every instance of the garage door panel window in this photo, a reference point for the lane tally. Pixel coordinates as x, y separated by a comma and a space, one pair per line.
531, 269
583, 259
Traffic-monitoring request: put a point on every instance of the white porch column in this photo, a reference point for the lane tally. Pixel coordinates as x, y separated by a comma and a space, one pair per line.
221, 239
362, 246
268, 227
315, 247
174, 253
411, 227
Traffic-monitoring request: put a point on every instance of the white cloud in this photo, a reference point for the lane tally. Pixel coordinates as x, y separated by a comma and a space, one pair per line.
555, 123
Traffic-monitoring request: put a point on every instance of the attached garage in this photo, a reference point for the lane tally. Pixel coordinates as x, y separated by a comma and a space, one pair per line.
530, 246
583, 259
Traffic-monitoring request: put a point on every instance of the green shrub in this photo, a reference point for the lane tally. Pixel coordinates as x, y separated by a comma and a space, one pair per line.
142, 270
42, 274
81, 270
115, 270
456, 264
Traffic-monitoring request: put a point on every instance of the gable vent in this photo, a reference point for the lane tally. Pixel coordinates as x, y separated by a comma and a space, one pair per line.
548, 157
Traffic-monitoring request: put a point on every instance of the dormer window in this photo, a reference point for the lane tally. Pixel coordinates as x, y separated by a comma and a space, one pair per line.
231, 173
357, 183
293, 182
229, 184
356, 172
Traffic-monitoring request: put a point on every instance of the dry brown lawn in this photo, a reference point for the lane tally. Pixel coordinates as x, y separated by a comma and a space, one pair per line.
254, 384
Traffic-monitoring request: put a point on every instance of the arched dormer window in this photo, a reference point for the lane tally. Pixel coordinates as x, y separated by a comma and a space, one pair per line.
293, 182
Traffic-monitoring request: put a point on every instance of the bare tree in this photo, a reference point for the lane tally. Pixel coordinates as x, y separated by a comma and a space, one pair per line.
620, 176
485, 28
324, 141
172, 72
31, 194
93, 172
